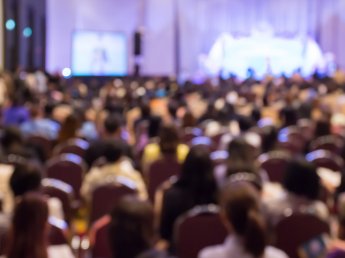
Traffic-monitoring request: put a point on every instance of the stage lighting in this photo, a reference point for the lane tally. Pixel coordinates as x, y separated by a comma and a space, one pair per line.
66, 72
27, 32
10, 24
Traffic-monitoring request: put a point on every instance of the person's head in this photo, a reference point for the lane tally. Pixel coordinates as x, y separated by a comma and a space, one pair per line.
112, 125
242, 215
11, 139
154, 126
240, 150
49, 109
245, 123
288, 116
114, 150
188, 120
197, 174
269, 138
131, 230
25, 178
322, 128
256, 115
145, 110
302, 180
69, 128
168, 139
28, 234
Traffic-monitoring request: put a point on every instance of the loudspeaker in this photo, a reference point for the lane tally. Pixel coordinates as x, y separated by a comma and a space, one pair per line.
137, 43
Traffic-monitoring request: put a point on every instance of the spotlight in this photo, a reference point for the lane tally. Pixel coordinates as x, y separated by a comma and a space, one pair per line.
66, 72
27, 32
10, 24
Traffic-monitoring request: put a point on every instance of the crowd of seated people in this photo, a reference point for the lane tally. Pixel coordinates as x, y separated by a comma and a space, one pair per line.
137, 161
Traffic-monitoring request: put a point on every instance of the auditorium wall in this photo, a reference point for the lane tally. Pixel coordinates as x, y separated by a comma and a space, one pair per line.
66, 16
200, 23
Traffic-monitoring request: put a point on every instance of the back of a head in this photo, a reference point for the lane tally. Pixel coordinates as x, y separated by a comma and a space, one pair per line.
131, 229
29, 228
197, 175
245, 123
239, 149
10, 137
288, 116
114, 150
322, 128
168, 139
154, 126
112, 124
302, 180
241, 207
25, 178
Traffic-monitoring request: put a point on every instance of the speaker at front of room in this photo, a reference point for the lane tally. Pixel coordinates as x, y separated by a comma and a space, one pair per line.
137, 43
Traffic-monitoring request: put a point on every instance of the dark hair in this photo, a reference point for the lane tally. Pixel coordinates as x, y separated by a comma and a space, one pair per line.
28, 237
245, 123
112, 123
131, 230
114, 150
288, 115
69, 128
241, 206
256, 114
25, 178
168, 139
10, 136
322, 128
197, 175
269, 138
301, 179
154, 126
240, 150
188, 120
145, 110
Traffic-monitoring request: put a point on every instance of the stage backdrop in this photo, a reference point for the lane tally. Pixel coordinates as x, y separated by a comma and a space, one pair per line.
200, 23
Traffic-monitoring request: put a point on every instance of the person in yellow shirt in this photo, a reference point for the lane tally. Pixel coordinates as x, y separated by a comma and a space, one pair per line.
168, 144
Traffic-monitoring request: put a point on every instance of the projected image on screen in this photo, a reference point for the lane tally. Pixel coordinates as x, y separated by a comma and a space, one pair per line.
99, 54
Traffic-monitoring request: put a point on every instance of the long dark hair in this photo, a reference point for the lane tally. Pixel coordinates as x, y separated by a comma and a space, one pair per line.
241, 206
197, 176
131, 230
28, 234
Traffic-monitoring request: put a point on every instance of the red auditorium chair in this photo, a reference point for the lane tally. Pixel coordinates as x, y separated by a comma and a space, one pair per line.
69, 168
105, 196
219, 157
74, 146
331, 143
58, 232
275, 164
160, 171
197, 229
297, 229
99, 239
43, 143
62, 191
326, 159
291, 139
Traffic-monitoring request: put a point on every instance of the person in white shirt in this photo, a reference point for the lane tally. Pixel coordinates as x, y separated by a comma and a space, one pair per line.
240, 210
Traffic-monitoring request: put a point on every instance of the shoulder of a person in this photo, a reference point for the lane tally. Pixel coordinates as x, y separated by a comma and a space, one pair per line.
272, 252
212, 251
60, 251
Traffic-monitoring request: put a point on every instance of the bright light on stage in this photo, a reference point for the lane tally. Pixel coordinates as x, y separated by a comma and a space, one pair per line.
263, 53
67, 72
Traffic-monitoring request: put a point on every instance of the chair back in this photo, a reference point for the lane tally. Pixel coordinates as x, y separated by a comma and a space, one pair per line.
326, 159
160, 171
74, 146
68, 168
295, 230
62, 191
275, 164
331, 143
44, 144
197, 229
291, 139
105, 196
100, 238
57, 234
